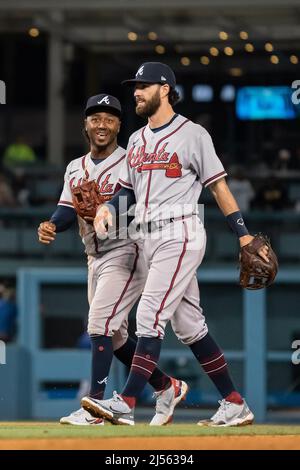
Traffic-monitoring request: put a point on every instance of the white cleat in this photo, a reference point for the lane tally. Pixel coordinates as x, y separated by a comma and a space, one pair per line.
114, 410
166, 400
230, 414
81, 417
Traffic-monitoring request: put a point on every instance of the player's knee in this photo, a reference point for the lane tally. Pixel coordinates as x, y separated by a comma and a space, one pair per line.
93, 329
96, 326
148, 305
192, 337
119, 339
149, 330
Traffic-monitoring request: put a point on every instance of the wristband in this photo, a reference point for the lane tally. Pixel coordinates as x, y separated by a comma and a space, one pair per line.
237, 224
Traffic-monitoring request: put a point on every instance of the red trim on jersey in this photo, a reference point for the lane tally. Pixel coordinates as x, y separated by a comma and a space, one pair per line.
86, 173
143, 136
155, 149
117, 188
124, 183
71, 182
173, 278
210, 180
65, 203
148, 189
109, 167
124, 290
171, 133
161, 166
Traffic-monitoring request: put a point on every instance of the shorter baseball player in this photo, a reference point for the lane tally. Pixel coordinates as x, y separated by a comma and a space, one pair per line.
116, 270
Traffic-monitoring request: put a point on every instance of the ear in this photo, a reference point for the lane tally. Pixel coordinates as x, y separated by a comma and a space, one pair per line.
85, 123
165, 90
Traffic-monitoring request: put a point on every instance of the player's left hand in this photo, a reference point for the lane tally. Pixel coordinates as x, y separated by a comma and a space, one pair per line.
102, 220
263, 252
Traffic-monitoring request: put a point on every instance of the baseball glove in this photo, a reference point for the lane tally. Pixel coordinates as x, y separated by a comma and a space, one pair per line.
86, 199
255, 272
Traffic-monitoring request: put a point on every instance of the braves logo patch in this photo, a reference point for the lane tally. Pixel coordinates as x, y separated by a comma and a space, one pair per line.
173, 167
105, 100
159, 160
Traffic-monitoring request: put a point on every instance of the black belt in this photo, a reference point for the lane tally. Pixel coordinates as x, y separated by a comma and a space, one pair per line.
159, 224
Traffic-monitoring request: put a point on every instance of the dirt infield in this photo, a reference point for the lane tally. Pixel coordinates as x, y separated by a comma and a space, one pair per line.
183, 436
291, 442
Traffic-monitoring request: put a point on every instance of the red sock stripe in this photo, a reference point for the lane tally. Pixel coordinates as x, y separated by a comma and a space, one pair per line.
218, 370
210, 359
144, 358
214, 365
141, 371
143, 365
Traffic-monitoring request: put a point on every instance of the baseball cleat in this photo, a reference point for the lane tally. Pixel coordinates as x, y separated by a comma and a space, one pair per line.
81, 417
166, 400
114, 410
230, 414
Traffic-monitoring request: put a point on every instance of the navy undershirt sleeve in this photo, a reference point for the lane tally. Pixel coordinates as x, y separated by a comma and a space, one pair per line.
130, 198
63, 218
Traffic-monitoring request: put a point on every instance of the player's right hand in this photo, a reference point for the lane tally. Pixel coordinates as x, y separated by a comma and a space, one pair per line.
102, 220
47, 232
263, 252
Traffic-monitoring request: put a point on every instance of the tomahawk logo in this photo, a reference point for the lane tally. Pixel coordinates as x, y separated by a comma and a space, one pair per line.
140, 71
2, 352
104, 100
104, 381
2, 92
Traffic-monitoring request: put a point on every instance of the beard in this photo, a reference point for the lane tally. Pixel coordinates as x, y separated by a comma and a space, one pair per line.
149, 108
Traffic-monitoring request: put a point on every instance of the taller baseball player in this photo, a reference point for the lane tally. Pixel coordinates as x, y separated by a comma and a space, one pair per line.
116, 274
167, 163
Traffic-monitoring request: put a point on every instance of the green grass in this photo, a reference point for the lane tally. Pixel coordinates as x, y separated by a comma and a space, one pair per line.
53, 430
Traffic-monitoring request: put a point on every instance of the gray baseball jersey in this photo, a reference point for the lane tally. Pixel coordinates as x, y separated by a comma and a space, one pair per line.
168, 169
106, 173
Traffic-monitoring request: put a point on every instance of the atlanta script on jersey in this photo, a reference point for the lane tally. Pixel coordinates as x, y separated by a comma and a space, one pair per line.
183, 153
106, 174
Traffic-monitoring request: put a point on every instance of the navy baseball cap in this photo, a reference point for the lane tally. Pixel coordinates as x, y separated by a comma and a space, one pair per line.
153, 72
103, 102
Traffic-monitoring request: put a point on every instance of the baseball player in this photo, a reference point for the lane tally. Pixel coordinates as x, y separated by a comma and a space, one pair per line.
167, 163
116, 272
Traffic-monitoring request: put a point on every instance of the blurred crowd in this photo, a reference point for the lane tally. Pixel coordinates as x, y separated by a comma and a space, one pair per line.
23, 178
270, 183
